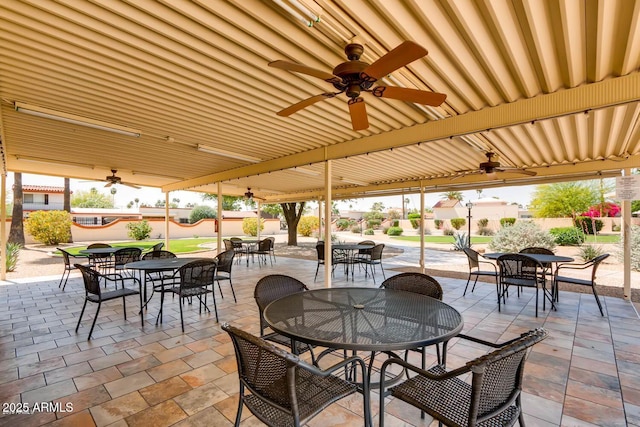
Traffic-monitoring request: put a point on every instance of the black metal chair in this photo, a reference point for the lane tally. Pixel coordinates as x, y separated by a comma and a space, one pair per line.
593, 264
374, 259
192, 280
285, 390
548, 267
123, 256
262, 250
475, 269
68, 266
521, 271
100, 261
273, 287
93, 293
491, 398
224, 262
239, 249
158, 276
320, 253
272, 249
156, 247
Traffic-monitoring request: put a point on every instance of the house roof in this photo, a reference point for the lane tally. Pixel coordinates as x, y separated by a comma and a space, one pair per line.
447, 203
42, 189
550, 87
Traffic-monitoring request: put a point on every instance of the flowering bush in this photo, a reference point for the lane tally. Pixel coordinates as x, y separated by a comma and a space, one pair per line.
250, 226
49, 227
522, 234
603, 210
307, 225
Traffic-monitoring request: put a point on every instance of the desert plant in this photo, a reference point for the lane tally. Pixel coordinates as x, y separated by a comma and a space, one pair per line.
343, 224
615, 228
485, 231
13, 253
589, 252
369, 232
374, 223
483, 223
250, 226
635, 247
394, 214
587, 224
307, 225
201, 212
414, 218
522, 234
49, 227
394, 231
385, 230
139, 230
460, 241
437, 223
505, 222
448, 232
457, 223
356, 229
567, 236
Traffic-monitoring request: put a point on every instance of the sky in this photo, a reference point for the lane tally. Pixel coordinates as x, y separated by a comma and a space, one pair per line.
124, 195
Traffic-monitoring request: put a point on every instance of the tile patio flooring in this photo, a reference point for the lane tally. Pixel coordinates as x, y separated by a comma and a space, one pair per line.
586, 373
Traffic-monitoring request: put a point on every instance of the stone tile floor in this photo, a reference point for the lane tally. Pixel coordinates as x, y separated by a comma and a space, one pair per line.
586, 373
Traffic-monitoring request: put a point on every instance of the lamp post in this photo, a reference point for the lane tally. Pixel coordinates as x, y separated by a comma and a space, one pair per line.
469, 206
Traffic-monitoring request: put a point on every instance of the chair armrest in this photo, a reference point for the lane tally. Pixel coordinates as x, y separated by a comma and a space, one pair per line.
573, 266
488, 262
408, 366
115, 277
328, 371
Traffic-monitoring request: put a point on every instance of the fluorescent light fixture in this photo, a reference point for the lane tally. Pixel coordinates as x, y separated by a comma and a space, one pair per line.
51, 161
230, 154
305, 171
75, 120
353, 181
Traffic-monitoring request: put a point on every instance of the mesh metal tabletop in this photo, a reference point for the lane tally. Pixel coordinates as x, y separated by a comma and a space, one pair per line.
363, 319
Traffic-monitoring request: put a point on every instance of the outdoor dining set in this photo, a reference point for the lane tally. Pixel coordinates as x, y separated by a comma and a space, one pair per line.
366, 334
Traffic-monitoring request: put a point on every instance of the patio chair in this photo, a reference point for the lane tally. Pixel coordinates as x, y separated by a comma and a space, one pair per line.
99, 261
273, 287
285, 390
123, 256
192, 280
374, 259
156, 247
521, 271
93, 293
68, 266
238, 248
475, 269
548, 268
491, 398
272, 249
155, 276
320, 253
593, 264
224, 262
262, 250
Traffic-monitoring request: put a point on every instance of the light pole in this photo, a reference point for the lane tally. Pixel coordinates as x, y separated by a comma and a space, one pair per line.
469, 206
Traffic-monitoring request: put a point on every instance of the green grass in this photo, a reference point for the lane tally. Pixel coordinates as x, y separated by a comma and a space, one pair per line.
178, 246
442, 239
603, 238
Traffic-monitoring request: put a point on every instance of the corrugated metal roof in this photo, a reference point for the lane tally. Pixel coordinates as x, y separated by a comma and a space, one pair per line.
549, 86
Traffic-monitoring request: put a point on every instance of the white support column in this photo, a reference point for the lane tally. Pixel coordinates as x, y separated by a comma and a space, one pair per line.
421, 228
327, 229
320, 228
3, 230
166, 220
626, 236
219, 219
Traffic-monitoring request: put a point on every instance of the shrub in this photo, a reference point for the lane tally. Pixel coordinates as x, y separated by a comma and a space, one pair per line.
567, 236
374, 223
615, 227
448, 232
505, 222
635, 248
369, 232
460, 241
307, 225
394, 231
414, 218
457, 223
49, 227
587, 224
250, 226
589, 252
485, 231
385, 230
201, 212
437, 223
520, 235
394, 214
343, 224
356, 229
139, 230
483, 223
13, 252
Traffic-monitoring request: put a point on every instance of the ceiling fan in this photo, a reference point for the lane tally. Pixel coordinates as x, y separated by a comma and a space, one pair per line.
250, 196
491, 167
113, 179
354, 76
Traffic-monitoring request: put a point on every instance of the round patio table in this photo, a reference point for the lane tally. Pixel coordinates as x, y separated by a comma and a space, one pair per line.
349, 255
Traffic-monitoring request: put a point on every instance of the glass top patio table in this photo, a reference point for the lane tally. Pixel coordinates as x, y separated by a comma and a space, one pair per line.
369, 319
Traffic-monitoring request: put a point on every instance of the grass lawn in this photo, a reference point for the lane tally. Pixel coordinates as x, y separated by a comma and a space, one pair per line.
178, 246
603, 238
600, 239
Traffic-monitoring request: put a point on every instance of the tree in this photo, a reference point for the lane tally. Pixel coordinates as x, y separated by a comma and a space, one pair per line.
292, 213
137, 201
113, 191
91, 199
16, 233
452, 195
201, 212
175, 201
377, 207
229, 203
66, 204
564, 199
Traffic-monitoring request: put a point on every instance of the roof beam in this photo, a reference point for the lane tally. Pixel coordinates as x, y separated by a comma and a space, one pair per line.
607, 93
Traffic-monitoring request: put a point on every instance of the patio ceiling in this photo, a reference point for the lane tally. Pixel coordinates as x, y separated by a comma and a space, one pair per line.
550, 86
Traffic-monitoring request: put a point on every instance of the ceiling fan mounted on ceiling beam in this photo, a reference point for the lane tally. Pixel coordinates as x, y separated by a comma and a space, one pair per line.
250, 196
491, 167
113, 179
353, 77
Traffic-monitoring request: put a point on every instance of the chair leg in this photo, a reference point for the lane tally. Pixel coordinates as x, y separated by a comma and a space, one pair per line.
317, 268
181, 316
232, 291
159, 316
81, 314
66, 273
240, 404
94, 321
595, 294
467, 285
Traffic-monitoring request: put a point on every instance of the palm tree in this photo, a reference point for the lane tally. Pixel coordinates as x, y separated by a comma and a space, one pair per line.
16, 233
452, 195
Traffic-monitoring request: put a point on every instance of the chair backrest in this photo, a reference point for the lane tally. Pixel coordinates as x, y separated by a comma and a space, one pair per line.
472, 257
376, 252
273, 287
197, 274
236, 242
266, 370
126, 255
157, 246
414, 282
227, 244
272, 243
264, 245
65, 256
224, 261
91, 279
159, 254
596, 262
536, 250
320, 250
366, 251
98, 245
497, 376
519, 269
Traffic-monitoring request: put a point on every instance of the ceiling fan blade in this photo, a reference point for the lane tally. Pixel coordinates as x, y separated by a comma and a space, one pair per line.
402, 55
304, 103
461, 174
299, 68
410, 95
517, 170
108, 184
358, 111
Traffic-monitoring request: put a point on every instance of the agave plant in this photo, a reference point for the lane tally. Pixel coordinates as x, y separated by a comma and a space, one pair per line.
460, 241
13, 252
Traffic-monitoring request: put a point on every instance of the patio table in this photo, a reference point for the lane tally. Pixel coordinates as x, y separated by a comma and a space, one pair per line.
349, 255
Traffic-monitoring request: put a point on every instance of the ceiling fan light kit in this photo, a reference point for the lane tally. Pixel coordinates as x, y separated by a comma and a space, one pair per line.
354, 77
75, 120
